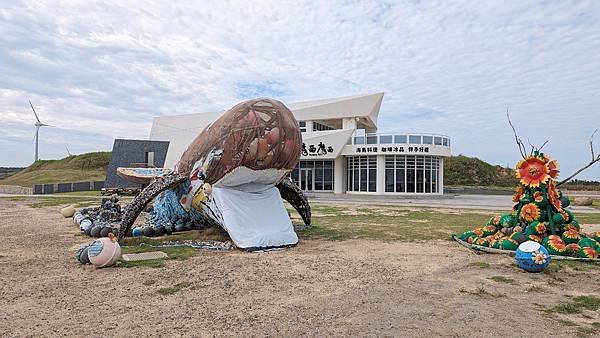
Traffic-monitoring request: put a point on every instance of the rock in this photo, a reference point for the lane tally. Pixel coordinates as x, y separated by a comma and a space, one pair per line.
67, 211
586, 201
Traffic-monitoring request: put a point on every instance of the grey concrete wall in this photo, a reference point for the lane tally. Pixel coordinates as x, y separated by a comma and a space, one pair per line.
82, 186
39, 189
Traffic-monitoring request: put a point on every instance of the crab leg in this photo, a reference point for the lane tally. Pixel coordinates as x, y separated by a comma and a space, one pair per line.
291, 193
138, 204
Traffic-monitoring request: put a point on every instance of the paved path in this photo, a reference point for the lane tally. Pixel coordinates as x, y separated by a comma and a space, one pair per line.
485, 202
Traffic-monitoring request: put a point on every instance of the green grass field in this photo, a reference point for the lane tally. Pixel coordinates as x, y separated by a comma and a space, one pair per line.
391, 223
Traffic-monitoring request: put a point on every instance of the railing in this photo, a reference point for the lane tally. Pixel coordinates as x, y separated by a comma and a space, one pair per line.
401, 138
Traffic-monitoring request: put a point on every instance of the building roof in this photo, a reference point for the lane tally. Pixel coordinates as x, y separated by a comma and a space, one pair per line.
180, 130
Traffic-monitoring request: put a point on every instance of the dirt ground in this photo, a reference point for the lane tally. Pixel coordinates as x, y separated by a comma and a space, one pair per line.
320, 288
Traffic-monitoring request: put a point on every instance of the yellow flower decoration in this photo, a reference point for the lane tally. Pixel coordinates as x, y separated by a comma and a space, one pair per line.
530, 212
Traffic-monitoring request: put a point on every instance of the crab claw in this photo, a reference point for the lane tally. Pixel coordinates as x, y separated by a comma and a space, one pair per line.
291, 193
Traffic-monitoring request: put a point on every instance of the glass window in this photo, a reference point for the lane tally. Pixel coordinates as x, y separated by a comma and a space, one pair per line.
410, 174
362, 173
427, 139
371, 139
385, 139
314, 175
389, 180
359, 140
400, 180
445, 142
400, 139
318, 175
328, 175
320, 127
294, 176
438, 140
414, 139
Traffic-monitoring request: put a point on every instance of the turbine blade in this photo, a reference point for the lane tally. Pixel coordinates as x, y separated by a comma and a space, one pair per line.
36, 116
34, 136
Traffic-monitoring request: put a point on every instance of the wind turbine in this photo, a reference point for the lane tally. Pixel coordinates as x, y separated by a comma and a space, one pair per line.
38, 124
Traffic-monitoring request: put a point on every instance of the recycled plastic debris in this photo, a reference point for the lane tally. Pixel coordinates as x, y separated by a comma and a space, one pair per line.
208, 245
100, 221
540, 214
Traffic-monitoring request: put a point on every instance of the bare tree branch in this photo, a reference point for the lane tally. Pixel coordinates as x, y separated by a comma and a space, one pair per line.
592, 143
543, 144
520, 144
532, 146
595, 159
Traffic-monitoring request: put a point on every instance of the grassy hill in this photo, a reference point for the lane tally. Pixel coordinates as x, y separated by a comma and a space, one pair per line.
8, 171
471, 171
74, 168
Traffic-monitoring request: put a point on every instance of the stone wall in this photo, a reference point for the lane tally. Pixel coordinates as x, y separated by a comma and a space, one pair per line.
15, 190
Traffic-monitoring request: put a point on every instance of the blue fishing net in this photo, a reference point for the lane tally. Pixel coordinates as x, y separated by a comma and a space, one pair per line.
168, 211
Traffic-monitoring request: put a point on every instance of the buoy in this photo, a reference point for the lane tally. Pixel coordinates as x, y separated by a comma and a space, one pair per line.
532, 256
104, 251
82, 255
148, 231
105, 231
159, 230
168, 229
179, 227
78, 218
136, 232
86, 226
95, 232
67, 211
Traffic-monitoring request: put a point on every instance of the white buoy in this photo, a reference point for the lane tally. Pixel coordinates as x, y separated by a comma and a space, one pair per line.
67, 211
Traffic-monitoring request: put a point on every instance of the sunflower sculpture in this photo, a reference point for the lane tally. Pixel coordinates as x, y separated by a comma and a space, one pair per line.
539, 215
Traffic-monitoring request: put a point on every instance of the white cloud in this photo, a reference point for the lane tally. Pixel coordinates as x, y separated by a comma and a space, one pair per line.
104, 69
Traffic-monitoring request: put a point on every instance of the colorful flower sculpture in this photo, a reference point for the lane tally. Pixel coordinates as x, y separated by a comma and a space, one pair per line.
539, 215
533, 171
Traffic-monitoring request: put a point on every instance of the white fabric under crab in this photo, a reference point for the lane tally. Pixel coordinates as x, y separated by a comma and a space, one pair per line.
250, 208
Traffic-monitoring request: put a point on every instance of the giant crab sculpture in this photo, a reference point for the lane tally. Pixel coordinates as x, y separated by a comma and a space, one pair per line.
237, 170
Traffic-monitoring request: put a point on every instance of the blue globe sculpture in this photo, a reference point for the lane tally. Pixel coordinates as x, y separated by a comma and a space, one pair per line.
532, 257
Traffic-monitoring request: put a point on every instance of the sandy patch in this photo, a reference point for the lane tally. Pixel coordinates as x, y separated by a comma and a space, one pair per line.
320, 288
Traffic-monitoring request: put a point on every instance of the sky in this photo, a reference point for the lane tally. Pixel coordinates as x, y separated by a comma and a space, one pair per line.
102, 70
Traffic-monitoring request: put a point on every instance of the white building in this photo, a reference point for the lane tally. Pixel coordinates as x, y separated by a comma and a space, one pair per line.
342, 151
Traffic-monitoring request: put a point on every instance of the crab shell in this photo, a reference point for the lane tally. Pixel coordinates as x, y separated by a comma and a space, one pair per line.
258, 134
